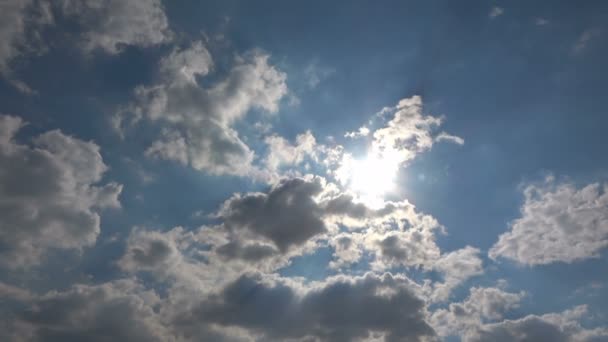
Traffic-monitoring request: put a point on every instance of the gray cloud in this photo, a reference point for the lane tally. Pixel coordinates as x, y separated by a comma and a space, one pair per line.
104, 25
554, 327
119, 311
111, 25
48, 194
343, 309
288, 215
559, 223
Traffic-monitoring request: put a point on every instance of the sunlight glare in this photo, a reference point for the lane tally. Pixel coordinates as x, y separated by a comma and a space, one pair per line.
373, 177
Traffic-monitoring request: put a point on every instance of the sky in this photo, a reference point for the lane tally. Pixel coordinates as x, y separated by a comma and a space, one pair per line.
303, 171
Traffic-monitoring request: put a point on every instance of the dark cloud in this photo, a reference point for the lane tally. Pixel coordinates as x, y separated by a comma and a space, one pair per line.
116, 311
287, 215
343, 309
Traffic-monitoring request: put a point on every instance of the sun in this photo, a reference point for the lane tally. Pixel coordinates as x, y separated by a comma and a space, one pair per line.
373, 177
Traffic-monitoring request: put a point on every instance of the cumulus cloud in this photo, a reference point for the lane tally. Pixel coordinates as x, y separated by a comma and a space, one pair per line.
282, 153
121, 310
197, 121
456, 267
393, 144
464, 318
288, 215
336, 310
559, 223
480, 317
563, 326
104, 25
49, 194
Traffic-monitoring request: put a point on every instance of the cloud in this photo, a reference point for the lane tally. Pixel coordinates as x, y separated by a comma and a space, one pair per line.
49, 194
337, 310
152, 251
456, 267
361, 132
443, 136
584, 40
111, 25
20, 23
496, 12
395, 143
482, 304
480, 318
563, 326
104, 25
197, 121
559, 223
315, 73
282, 153
121, 310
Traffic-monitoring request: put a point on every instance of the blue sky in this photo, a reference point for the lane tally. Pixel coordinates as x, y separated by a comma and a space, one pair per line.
303, 171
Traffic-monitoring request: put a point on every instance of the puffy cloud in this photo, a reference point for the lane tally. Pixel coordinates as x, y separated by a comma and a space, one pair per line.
414, 247
288, 215
559, 223
563, 326
456, 267
465, 317
480, 318
394, 144
121, 310
108, 25
111, 24
198, 120
282, 153
337, 310
48, 194
408, 133
152, 251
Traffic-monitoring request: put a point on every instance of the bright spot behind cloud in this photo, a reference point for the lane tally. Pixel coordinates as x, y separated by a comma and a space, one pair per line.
372, 178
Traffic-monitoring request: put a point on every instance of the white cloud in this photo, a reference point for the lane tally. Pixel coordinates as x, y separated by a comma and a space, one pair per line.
361, 132
49, 197
282, 153
443, 136
559, 223
198, 120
